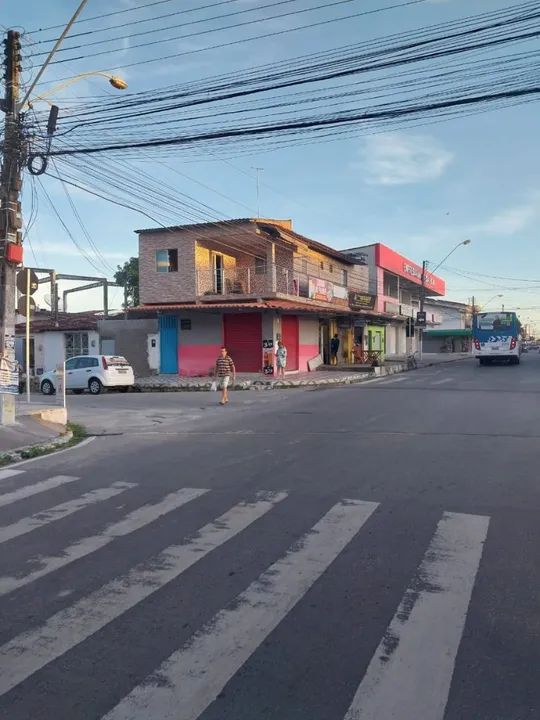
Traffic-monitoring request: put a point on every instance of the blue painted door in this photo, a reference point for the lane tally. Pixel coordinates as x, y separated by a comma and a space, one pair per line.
168, 344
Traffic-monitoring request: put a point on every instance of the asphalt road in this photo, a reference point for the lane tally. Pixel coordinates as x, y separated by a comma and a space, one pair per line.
351, 553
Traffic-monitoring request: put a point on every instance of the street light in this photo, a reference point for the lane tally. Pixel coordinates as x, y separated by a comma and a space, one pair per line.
117, 82
490, 299
423, 289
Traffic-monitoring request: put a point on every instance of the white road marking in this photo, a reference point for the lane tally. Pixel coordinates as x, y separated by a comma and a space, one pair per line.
442, 382
134, 521
58, 512
191, 678
410, 673
392, 381
30, 651
29, 490
7, 473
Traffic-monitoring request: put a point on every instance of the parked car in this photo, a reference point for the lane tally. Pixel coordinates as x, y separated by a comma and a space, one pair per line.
92, 373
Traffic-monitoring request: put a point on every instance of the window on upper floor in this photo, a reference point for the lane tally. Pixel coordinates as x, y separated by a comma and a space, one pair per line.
344, 277
390, 285
260, 266
321, 265
167, 260
331, 268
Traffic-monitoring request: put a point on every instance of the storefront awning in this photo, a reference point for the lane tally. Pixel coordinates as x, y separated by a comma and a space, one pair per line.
458, 332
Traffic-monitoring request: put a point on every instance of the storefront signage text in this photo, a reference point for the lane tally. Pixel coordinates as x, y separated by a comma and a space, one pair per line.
361, 301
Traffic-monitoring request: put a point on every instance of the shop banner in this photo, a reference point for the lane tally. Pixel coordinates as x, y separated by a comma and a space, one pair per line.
321, 290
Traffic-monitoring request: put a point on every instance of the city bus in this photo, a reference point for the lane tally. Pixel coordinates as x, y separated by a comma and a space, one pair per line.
496, 335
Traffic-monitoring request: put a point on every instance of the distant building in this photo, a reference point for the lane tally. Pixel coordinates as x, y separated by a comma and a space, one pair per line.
396, 282
449, 326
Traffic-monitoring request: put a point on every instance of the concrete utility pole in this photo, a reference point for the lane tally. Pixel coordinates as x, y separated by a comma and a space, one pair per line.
422, 301
10, 215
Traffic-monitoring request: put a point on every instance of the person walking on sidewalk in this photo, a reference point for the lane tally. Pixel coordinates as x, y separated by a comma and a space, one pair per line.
224, 371
281, 358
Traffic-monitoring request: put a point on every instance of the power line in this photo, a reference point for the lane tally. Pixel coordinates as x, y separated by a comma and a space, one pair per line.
144, 6
276, 33
154, 30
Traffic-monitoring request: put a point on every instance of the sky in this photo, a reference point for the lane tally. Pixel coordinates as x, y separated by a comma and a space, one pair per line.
421, 190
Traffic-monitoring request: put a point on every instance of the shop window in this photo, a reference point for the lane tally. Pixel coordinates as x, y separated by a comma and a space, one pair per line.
185, 323
167, 260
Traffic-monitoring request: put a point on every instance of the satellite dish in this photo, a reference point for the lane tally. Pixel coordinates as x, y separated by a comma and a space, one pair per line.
47, 300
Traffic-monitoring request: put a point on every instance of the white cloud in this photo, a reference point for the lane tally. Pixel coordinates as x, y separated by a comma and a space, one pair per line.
397, 158
510, 221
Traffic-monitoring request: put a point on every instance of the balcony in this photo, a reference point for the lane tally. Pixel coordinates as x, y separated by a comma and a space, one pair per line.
266, 281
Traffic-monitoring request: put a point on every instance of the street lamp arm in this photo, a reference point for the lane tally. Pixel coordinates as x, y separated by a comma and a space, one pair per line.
445, 258
117, 82
51, 54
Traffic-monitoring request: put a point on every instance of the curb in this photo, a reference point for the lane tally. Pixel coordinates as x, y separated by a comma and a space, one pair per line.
35, 450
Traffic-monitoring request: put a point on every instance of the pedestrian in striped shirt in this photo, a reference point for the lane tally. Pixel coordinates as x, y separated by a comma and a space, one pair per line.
224, 371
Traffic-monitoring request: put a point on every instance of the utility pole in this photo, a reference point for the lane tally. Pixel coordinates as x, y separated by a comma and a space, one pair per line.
10, 215
422, 301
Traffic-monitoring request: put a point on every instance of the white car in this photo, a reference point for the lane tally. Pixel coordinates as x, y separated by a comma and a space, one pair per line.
92, 373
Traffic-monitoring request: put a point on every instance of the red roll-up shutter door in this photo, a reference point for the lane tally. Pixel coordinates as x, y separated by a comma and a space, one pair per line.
289, 335
243, 340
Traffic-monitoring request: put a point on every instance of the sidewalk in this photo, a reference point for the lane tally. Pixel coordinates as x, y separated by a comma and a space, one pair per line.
27, 431
257, 381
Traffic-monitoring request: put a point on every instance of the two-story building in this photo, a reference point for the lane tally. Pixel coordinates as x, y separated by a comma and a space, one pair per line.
396, 282
246, 284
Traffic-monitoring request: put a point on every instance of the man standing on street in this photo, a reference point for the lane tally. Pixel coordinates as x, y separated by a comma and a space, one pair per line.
224, 370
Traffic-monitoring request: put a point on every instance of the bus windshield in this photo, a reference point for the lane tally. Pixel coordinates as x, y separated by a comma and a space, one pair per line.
495, 321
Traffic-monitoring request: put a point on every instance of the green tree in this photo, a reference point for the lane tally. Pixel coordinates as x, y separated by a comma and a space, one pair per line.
128, 276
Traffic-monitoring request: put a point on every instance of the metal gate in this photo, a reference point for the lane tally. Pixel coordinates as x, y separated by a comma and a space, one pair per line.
168, 344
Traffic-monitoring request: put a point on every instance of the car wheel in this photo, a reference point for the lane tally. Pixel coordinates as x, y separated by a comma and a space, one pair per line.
95, 386
78, 391
47, 388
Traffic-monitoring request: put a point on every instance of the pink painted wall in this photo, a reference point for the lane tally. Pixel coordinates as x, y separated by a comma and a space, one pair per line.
305, 353
196, 360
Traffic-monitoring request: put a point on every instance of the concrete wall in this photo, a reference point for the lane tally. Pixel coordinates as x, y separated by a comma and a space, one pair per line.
130, 340
165, 287
199, 347
308, 341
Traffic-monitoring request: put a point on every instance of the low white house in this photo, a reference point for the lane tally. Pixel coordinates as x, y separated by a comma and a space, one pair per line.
52, 340
449, 326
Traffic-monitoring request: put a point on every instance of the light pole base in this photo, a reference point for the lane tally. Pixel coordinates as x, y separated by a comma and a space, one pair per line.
7, 409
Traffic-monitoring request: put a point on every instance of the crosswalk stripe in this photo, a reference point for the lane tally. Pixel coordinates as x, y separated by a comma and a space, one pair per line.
134, 521
26, 525
30, 651
39, 487
191, 678
410, 673
9, 472
442, 382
